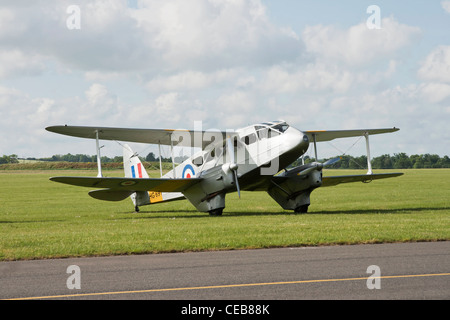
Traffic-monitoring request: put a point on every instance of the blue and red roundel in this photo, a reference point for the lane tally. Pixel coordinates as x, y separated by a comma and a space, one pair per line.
188, 172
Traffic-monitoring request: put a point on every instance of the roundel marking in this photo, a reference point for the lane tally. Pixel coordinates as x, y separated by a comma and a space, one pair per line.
128, 183
188, 172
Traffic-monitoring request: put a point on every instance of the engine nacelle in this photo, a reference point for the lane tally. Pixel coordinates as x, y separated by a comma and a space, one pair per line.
228, 175
293, 192
209, 195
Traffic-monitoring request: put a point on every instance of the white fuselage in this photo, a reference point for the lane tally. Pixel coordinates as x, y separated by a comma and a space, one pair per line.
265, 148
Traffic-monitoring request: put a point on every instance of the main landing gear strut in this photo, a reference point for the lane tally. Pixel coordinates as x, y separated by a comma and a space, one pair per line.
302, 209
216, 212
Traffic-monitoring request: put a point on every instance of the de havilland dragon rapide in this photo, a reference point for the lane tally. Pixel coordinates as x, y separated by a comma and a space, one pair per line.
254, 158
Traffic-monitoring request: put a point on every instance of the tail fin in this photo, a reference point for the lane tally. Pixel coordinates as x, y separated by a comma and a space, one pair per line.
134, 168
132, 165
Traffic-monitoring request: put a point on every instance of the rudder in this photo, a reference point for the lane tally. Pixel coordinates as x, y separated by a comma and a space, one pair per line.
134, 168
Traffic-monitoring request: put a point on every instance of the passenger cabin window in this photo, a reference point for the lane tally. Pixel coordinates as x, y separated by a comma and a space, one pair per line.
251, 138
210, 155
261, 131
198, 161
273, 133
265, 133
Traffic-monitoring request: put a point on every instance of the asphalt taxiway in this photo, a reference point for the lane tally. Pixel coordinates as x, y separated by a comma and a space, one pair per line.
374, 271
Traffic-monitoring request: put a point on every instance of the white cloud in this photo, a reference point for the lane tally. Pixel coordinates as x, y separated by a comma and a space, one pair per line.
359, 45
436, 66
191, 80
97, 94
99, 105
211, 35
14, 63
314, 77
93, 76
228, 108
21, 121
446, 6
166, 106
161, 36
435, 92
8, 25
223, 62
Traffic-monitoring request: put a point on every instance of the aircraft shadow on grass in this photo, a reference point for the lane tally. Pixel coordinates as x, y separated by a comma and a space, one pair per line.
165, 214
29, 221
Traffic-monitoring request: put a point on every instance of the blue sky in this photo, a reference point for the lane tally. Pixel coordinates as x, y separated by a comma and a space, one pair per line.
168, 63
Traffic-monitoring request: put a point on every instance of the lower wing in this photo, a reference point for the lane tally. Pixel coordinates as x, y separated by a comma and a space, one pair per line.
130, 184
335, 180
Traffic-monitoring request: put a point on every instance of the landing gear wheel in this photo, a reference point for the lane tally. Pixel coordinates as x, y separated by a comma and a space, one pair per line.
302, 209
136, 209
216, 212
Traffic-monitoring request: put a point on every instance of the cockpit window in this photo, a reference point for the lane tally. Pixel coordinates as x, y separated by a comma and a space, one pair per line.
282, 127
269, 130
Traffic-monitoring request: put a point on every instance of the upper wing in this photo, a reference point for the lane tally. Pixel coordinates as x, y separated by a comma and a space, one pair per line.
188, 138
130, 184
327, 135
335, 180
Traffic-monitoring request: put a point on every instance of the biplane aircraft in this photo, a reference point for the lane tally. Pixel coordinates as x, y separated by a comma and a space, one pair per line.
254, 158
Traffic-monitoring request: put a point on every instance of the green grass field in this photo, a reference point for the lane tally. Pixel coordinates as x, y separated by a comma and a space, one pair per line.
43, 219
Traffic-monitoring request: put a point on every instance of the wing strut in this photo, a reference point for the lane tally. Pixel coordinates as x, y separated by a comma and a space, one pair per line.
369, 164
160, 161
315, 146
171, 151
366, 135
99, 162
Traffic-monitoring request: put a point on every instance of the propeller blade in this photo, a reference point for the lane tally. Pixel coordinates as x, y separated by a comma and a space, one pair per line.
237, 183
306, 169
230, 149
233, 165
332, 161
315, 166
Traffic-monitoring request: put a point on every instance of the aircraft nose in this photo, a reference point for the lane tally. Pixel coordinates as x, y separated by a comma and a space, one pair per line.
297, 140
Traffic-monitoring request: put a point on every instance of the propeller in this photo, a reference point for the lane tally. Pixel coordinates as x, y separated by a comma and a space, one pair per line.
332, 161
233, 165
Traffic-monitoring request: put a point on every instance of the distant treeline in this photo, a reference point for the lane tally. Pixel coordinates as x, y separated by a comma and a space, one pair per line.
397, 161
386, 161
9, 159
82, 158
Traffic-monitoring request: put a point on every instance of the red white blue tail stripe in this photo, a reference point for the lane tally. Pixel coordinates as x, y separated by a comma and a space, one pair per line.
139, 169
